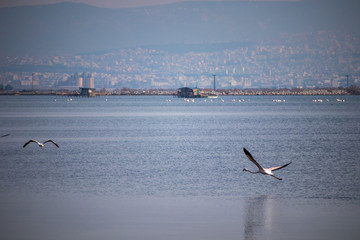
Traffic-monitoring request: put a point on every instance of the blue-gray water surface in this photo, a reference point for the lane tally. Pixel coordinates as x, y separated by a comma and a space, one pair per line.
184, 158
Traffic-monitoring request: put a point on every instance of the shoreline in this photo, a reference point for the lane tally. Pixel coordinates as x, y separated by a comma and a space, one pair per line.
173, 92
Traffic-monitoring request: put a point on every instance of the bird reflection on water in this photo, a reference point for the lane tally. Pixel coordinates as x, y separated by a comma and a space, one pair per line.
258, 217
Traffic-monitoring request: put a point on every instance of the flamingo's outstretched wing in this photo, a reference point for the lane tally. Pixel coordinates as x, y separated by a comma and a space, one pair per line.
252, 159
30, 142
280, 167
52, 142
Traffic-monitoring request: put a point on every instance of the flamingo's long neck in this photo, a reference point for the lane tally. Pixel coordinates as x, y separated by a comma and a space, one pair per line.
247, 170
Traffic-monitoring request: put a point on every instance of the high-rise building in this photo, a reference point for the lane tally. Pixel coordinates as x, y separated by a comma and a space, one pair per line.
88, 80
79, 81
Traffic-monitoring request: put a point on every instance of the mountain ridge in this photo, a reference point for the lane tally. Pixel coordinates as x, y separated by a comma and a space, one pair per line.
76, 28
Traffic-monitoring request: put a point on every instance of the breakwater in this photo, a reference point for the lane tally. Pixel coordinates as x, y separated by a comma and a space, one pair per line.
169, 92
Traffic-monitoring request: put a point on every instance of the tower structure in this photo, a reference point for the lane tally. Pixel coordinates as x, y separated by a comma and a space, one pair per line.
214, 82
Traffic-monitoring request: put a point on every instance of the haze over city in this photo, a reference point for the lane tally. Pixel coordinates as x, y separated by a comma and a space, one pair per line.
115, 3
171, 44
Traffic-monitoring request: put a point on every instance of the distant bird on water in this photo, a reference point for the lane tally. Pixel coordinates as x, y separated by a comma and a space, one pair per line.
41, 144
265, 171
5, 135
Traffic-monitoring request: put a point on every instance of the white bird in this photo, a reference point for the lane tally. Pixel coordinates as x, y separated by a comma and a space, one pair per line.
41, 144
265, 171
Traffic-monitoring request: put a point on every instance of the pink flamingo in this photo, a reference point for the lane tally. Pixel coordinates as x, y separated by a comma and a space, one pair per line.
265, 171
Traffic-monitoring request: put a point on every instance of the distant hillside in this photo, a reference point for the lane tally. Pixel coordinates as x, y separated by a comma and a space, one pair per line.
70, 28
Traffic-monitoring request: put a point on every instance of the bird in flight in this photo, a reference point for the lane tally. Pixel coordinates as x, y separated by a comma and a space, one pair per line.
41, 144
265, 171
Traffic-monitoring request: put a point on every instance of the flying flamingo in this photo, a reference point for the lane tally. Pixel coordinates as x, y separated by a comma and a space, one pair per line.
41, 144
265, 171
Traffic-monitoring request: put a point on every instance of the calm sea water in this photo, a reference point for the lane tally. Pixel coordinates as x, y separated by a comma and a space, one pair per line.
130, 160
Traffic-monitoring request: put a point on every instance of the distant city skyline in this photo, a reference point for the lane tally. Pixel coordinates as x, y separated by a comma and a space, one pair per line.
247, 44
113, 3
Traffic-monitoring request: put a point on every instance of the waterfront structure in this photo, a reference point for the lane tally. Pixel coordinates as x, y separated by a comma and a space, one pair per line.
87, 92
186, 92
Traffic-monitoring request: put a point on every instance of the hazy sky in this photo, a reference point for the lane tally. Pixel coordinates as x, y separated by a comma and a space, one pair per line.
106, 3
